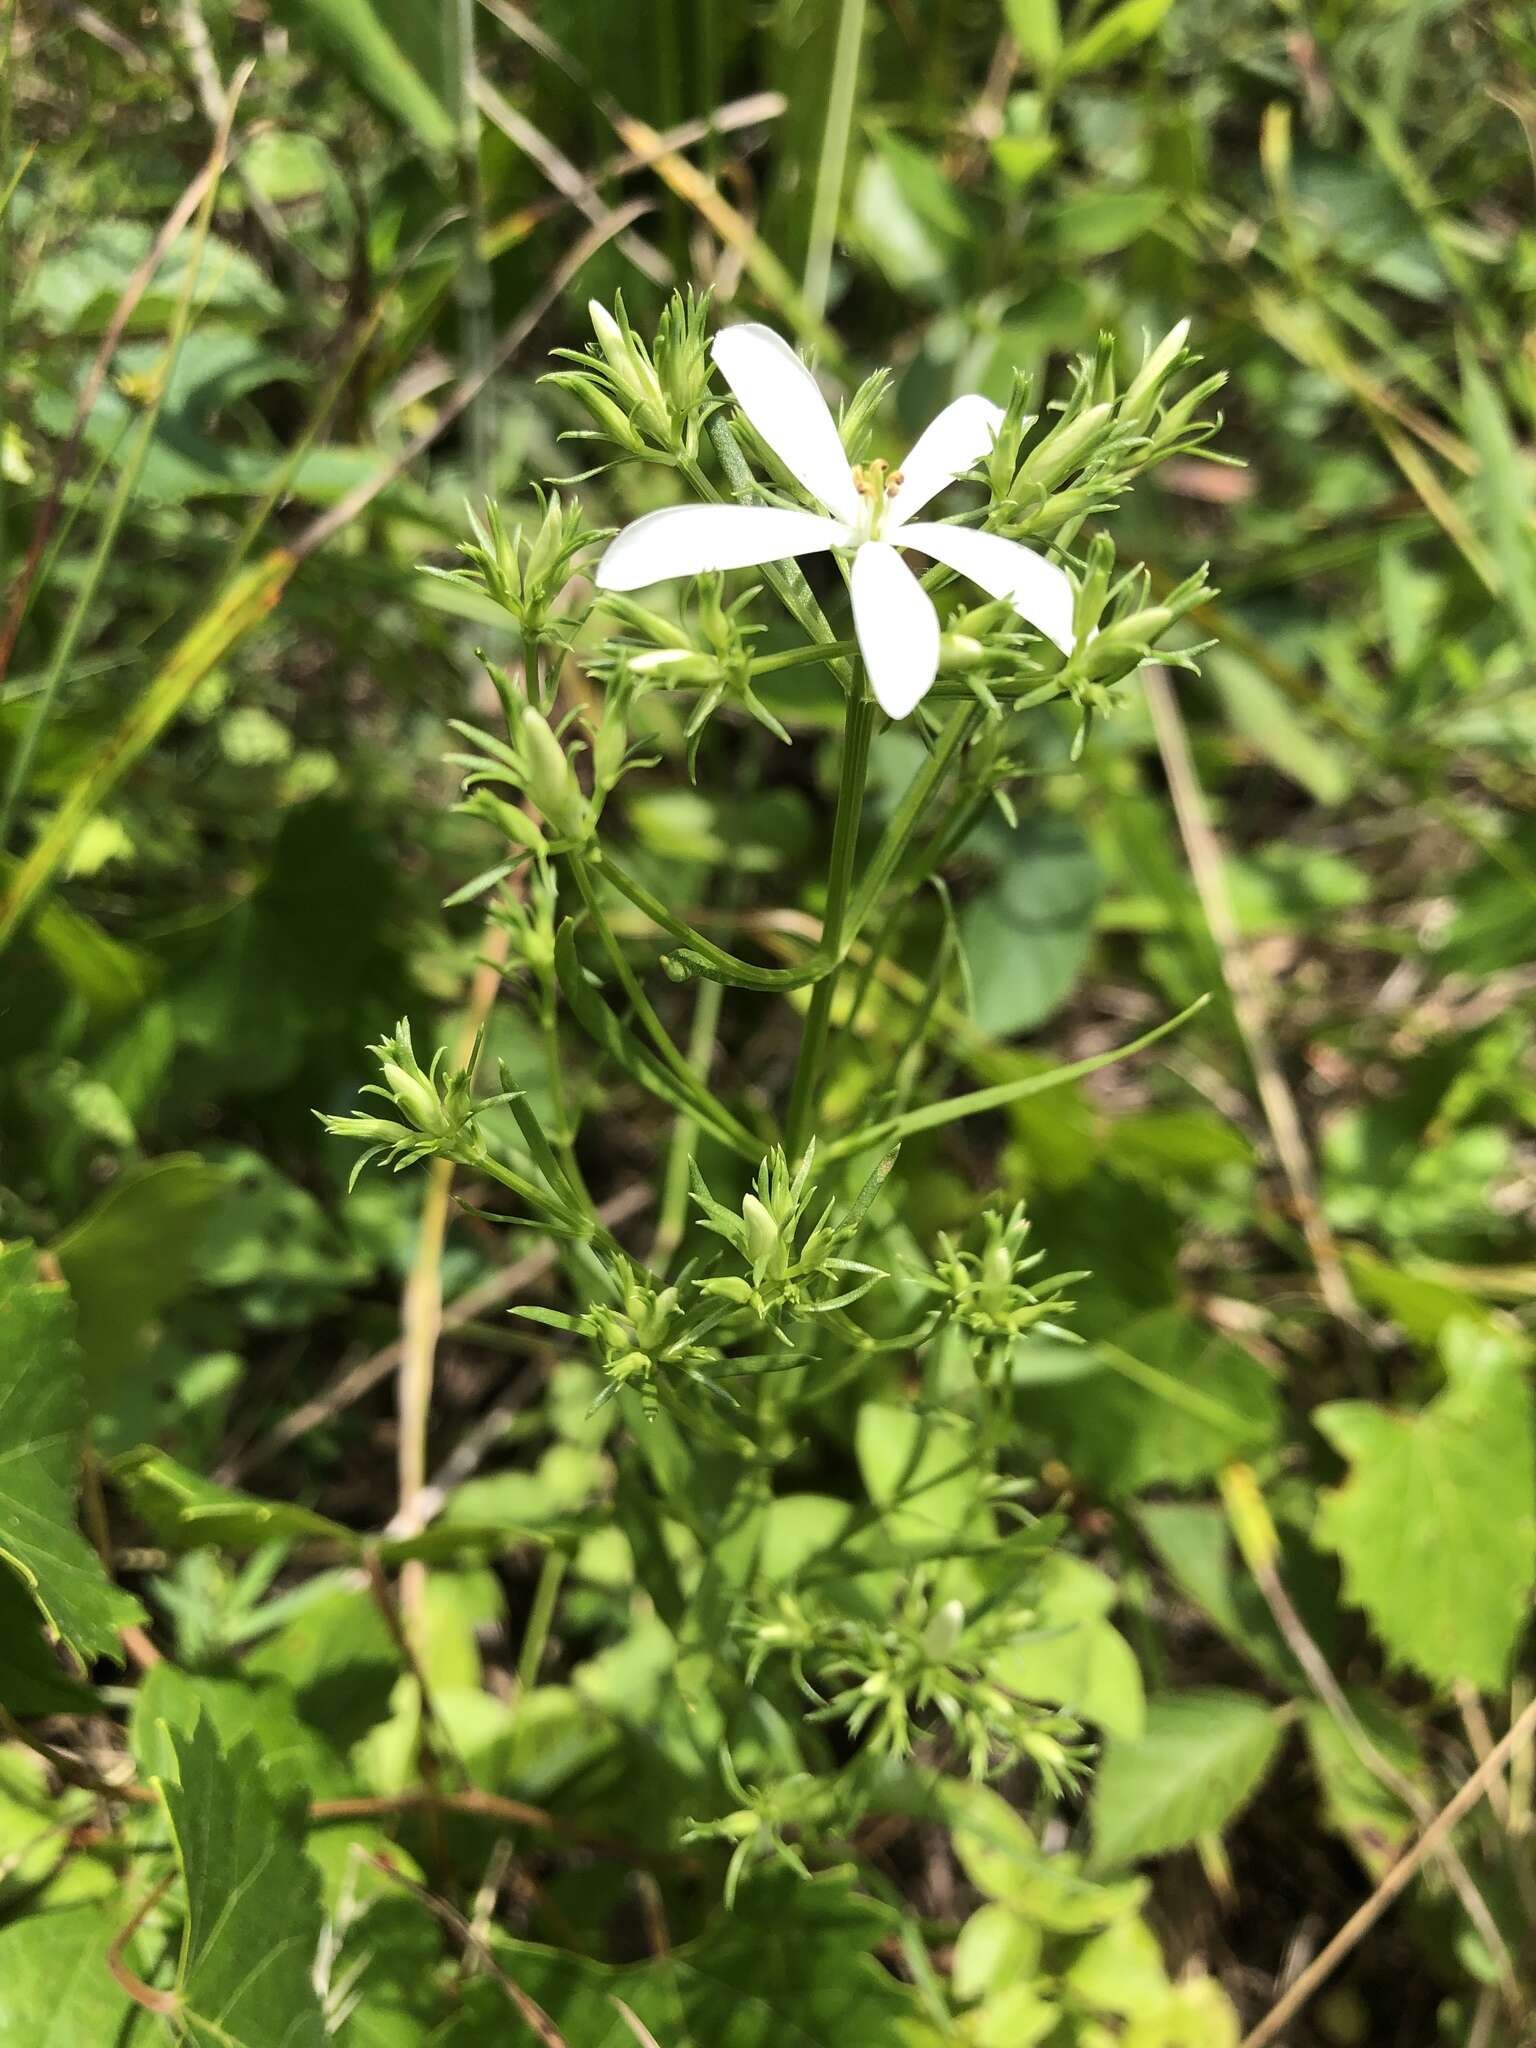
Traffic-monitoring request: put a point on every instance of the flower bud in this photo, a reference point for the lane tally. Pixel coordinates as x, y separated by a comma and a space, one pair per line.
944, 1630
1141, 393
552, 782
414, 1093
763, 1239
1065, 446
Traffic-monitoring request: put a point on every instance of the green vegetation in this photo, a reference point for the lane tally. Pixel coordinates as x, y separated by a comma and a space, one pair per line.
681, 1363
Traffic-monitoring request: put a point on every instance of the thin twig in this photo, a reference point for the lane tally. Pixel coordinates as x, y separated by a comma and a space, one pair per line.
214, 101
1207, 864
421, 1318
463, 394
492, 1806
533, 2014
1396, 1880
1304, 1649
145, 1995
572, 184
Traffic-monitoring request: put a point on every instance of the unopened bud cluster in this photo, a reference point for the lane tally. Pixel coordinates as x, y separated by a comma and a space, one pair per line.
645, 401
990, 1290
711, 655
921, 1676
436, 1112
528, 572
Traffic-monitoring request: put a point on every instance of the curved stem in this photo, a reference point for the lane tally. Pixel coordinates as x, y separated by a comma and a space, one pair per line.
857, 734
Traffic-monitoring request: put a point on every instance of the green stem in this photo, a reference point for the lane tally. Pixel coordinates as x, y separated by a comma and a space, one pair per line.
857, 734
908, 814
658, 1033
801, 657
540, 1615
832, 168
953, 1109
685, 1133
472, 277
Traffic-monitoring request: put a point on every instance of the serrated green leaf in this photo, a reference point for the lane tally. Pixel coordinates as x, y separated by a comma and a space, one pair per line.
1436, 1524
42, 1433
55, 1988
253, 1907
32, 1680
1198, 1764
790, 1968
132, 1255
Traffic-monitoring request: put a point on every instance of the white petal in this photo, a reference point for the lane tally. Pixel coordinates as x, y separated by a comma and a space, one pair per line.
1036, 588
780, 397
682, 540
946, 448
897, 626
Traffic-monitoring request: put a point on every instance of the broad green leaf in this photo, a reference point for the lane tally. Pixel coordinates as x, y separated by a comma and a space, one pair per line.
1003, 1860
32, 1680
994, 1948
1200, 1761
253, 1908
295, 1758
55, 1988
790, 1968
42, 1435
1193, 1542
1080, 1661
187, 1510
77, 286
1026, 936
1115, 34
127, 1259
920, 1469
1355, 1803
184, 1508
1435, 1525
1171, 1402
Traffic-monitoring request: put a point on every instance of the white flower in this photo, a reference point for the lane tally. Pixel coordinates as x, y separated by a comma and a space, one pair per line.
869, 510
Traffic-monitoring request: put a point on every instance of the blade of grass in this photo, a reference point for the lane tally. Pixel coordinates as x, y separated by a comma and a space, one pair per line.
128, 478
762, 265
1207, 866
832, 165
977, 1102
175, 221
242, 604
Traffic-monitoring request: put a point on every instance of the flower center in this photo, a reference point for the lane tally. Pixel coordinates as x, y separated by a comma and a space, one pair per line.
876, 483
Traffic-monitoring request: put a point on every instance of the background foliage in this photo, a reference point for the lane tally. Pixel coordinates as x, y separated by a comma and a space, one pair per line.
1283, 1529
